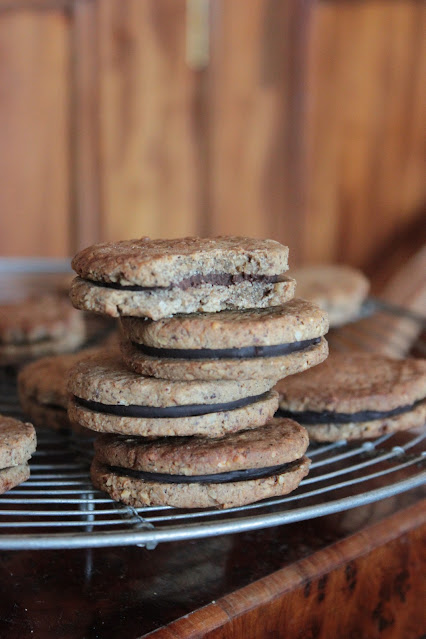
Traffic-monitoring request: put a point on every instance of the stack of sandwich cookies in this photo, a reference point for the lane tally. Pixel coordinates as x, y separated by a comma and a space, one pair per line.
158, 278
356, 396
195, 472
106, 397
250, 344
17, 443
208, 326
37, 327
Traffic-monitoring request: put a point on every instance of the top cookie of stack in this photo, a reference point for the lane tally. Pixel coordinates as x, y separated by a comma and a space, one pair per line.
159, 278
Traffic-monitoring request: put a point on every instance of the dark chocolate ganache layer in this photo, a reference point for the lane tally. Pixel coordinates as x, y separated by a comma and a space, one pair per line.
216, 279
245, 352
188, 410
218, 478
311, 417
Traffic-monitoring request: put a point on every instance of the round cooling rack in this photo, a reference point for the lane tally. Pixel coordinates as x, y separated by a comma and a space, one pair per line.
58, 508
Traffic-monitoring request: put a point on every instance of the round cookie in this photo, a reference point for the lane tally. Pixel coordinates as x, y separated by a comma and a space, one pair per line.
356, 396
337, 289
295, 321
17, 443
42, 388
37, 327
107, 397
252, 344
233, 468
157, 278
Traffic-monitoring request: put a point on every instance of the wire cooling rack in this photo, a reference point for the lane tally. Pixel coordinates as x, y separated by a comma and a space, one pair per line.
59, 508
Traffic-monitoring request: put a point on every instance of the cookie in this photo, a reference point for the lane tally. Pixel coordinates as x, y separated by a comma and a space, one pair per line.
237, 469
356, 396
42, 388
107, 397
337, 289
17, 444
250, 344
158, 278
37, 327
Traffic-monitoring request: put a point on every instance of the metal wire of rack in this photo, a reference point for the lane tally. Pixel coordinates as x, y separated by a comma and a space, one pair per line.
59, 508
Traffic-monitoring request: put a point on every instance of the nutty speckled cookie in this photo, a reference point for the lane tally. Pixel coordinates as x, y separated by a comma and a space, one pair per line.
158, 278
17, 444
37, 327
193, 472
337, 289
356, 396
251, 344
107, 397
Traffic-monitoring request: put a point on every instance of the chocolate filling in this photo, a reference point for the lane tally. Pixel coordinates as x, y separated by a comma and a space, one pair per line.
218, 478
328, 417
188, 410
245, 352
216, 279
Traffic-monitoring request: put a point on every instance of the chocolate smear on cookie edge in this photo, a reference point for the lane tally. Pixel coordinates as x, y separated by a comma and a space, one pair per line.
217, 478
244, 352
309, 417
188, 410
215, 279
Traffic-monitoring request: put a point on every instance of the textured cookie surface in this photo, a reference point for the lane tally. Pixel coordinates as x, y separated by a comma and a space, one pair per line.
296, 320
35, 319
136, 492
337, 289
278, 442
352, 382
17, 442
162, 302
45, 416
215, 424
13, 476
104, 378
45, 380
216, 369
160, 263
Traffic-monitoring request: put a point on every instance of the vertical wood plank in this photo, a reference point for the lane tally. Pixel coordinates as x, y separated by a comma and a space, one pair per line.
366, 68
257, 136
148, 143
34, 133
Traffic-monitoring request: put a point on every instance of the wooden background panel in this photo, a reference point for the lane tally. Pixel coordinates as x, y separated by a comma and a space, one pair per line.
366, 99
34, 134
256, 112
149, 142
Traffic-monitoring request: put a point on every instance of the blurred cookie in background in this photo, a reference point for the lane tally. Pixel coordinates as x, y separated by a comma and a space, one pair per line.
38, 326
337, 289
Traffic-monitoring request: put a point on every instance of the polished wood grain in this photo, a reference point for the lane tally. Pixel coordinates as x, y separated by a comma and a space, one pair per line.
334, 593
35, 182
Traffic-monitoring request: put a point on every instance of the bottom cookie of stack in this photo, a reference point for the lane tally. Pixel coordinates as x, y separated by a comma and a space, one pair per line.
198, 472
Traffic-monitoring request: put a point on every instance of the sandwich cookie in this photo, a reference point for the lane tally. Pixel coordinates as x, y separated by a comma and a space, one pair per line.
237, 469
42, 387
250, 344
356, 396
17, 443
158, 278
37, 327
107, 397
339, 290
